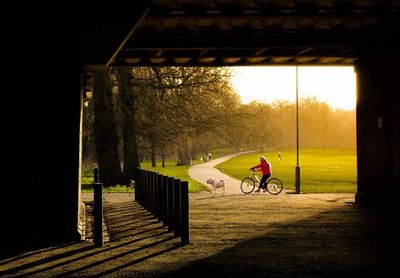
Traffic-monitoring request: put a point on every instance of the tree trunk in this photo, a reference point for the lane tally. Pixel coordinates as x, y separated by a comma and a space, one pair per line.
182, 157
163, 155
127, 102
88, 146
153, 156
131, 157
193, 152
106, 138
163, 161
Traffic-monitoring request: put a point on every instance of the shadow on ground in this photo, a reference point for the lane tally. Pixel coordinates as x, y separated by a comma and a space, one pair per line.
231, 236
135, 236
365, 247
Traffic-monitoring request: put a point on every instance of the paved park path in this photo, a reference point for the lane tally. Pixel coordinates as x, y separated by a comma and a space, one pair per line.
205, 171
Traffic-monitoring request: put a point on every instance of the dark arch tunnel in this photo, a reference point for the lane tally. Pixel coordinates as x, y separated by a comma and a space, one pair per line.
190, 33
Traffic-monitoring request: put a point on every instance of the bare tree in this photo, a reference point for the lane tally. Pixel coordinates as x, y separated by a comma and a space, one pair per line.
105, 130
177, 104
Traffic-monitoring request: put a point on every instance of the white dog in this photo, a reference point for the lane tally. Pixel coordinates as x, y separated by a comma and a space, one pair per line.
217, 184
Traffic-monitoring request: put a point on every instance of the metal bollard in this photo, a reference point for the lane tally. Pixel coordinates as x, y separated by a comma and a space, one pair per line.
96, 175
164, 189
185, 212
98, 214
98, 209
170, 212
177, 208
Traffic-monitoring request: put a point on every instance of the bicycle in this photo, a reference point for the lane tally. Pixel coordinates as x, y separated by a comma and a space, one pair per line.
273, 185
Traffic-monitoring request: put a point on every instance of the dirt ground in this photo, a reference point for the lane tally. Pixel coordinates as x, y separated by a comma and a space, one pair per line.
257, 235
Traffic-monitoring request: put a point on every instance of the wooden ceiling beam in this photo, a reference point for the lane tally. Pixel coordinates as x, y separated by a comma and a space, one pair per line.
198, 11
234, 40
240, 53
212, 61
225, 32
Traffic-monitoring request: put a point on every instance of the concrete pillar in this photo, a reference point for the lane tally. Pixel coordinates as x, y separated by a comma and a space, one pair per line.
378, 128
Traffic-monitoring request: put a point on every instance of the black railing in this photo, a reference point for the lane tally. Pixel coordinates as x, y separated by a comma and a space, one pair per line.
166, 198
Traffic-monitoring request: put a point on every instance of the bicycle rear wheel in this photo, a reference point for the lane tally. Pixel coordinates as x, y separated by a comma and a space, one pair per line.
274, 186
247, 185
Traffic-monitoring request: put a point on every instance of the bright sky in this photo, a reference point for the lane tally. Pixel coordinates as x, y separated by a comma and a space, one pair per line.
333, 85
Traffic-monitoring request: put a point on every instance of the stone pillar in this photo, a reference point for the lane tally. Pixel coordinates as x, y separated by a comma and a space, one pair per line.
378, 128
54, 160
42, 202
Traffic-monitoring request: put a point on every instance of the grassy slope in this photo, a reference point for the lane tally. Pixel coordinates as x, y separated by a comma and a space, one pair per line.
328, 171
180, 172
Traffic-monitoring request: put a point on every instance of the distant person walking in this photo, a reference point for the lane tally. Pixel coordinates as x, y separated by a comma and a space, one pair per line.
265, 168
279, 156
189, 161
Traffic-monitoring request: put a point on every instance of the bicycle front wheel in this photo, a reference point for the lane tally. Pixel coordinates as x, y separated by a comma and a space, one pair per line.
274, 186
247, 185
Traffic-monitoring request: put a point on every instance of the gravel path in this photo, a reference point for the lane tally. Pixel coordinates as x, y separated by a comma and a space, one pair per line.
231, 235
256, 235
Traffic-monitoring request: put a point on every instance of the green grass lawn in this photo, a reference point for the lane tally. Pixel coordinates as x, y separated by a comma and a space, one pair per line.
88, 188
322, 171
87, 184
179, 172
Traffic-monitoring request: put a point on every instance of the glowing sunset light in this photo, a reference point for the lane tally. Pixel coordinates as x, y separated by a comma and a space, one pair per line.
335, 85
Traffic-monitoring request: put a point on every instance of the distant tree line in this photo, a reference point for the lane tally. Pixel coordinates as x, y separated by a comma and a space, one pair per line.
320, 126
155, 113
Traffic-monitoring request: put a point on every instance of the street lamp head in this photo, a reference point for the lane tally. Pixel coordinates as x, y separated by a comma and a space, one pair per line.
87, 87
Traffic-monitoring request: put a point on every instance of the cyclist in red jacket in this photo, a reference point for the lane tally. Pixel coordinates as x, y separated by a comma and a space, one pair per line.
265, 168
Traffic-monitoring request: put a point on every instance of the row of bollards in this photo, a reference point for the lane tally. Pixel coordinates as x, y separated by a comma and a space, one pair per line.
166, 198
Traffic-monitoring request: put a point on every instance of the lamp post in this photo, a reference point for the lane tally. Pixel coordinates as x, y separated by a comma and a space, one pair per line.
297, 175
